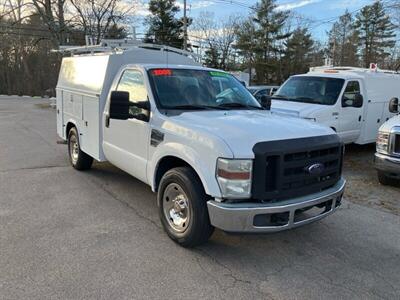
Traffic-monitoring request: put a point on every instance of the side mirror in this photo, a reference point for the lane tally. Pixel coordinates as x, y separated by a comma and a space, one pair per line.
266, 102
394, 105
358, 100
143, 105
119, 105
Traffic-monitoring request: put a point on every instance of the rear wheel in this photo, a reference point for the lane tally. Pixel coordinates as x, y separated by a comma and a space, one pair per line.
78, 159
183, 208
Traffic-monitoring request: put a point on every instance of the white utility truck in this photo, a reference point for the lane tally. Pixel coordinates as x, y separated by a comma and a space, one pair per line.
352, 101
387, 156
214, 156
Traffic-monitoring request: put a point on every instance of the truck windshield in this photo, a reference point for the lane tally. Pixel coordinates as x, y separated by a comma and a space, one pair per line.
308, 89
199, 89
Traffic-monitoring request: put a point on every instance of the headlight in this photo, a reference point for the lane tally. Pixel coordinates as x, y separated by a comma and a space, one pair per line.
234, 177
382, 142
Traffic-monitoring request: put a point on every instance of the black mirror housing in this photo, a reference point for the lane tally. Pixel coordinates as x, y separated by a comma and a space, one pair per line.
358, 100
143, 105
266, 102
394, 105
119, 105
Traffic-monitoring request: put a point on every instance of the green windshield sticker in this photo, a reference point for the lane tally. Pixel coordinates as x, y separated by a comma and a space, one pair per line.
216, 73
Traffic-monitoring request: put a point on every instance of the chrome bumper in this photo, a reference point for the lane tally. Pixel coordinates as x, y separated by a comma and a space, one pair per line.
387, 164
240, 217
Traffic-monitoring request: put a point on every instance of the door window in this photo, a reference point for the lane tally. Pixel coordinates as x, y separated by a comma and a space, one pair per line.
132, 81
352, 89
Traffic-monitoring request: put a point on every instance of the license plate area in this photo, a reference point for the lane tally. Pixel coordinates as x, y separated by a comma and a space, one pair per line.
312, 211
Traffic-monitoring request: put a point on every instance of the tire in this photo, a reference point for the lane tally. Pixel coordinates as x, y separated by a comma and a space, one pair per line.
385, 180
78, 159
182, 207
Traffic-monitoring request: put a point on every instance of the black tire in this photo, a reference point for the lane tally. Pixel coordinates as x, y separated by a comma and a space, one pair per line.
198, 230
385, 180
78, 159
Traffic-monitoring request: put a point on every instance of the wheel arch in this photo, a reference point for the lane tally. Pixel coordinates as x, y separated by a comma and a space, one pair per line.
70, 124
165, 164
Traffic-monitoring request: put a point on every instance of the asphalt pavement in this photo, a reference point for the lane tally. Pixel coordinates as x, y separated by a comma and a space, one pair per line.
66, 234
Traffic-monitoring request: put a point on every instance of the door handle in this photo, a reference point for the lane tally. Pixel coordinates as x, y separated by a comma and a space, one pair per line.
359, 119
335, 113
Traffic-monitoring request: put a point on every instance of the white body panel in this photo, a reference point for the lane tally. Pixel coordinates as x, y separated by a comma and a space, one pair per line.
353, 125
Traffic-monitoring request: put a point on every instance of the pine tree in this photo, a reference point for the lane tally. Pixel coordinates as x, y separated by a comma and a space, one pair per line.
343, 42
299, 52
212, 58
163, 27
376, 33
267, 43
116, 32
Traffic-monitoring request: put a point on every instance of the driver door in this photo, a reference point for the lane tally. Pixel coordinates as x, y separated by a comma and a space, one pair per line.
351, 113
126, 142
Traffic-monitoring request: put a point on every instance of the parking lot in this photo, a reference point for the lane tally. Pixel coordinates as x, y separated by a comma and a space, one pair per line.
96, 234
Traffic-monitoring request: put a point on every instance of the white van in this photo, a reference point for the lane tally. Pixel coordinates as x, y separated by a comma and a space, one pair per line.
213, 155
352, 101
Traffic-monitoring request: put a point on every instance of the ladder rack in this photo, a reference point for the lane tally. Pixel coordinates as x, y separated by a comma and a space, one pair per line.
116, 46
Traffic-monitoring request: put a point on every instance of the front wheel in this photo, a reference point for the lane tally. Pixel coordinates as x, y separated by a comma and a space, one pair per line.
183, 208
386, 180
79, 159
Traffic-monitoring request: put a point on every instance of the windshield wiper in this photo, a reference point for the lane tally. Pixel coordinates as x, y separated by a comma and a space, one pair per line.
280, 97
306, 99
194, 107
238, 104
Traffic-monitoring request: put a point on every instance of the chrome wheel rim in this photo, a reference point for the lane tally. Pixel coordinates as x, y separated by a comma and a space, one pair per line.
176, 208
73, 148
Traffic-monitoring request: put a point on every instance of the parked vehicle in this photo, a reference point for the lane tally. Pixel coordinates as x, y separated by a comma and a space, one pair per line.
262, 90
352, 101
212, 154
387, 156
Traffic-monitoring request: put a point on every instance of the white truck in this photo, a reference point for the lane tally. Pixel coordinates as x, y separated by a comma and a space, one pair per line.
352, 101
212, 154
387, 156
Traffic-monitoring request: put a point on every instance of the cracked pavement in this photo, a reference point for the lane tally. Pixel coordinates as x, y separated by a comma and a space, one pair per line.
96, 235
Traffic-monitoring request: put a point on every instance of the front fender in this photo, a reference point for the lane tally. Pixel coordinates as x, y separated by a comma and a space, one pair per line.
205, 168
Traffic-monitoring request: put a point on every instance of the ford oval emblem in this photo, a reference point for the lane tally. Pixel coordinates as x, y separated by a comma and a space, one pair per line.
315, 169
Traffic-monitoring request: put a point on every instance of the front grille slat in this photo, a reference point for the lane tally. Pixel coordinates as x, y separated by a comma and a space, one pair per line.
397, 144
304, 176
299, 163
281, 167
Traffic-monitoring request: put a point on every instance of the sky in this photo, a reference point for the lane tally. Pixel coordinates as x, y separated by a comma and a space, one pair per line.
322, 12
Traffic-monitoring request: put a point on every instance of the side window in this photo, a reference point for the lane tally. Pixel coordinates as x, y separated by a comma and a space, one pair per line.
132, 81
352, 89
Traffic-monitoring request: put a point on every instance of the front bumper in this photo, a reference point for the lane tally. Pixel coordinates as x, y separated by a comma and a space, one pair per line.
272, 217
387, 164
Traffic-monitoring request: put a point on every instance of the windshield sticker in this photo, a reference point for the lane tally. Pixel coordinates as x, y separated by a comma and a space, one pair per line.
216, 73
162, 72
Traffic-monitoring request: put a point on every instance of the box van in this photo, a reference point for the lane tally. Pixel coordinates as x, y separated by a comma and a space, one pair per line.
352, 101
213, 155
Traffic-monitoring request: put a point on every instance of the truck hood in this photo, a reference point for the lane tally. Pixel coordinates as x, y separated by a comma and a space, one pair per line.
389, 124
242, 129
295, 109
